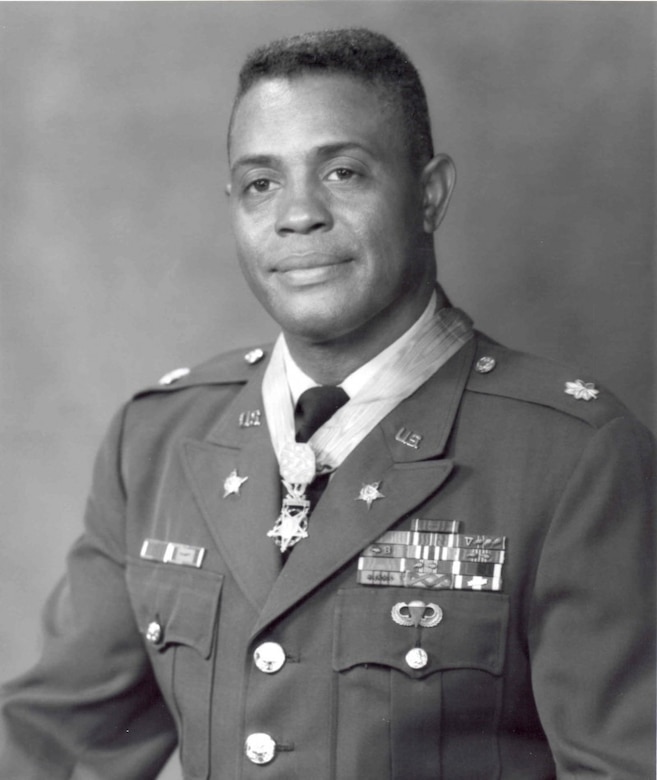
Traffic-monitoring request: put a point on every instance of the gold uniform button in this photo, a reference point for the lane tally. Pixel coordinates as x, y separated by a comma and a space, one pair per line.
417, 658
485, 364
154, 633
260, 748
269, 657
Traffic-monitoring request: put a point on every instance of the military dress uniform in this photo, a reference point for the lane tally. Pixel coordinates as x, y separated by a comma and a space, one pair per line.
474, 600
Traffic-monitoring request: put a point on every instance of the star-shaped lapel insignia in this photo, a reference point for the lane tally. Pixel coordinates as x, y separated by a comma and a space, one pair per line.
369, 494
233, 483
582, 391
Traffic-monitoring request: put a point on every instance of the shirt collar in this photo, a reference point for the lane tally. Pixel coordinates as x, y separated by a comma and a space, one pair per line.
298, 381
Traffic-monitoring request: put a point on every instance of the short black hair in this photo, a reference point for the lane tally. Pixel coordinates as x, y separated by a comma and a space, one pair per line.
355, 52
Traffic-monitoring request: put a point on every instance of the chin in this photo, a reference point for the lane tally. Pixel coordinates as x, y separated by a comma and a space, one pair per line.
317, 326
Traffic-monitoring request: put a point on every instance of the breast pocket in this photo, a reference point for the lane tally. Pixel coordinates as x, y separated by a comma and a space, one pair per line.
425, 695
177, 610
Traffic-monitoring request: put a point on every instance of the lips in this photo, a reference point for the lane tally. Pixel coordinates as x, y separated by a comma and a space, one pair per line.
303, 270
307, 261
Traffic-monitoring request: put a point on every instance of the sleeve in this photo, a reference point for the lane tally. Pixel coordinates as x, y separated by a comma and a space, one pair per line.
91, 704
592, 628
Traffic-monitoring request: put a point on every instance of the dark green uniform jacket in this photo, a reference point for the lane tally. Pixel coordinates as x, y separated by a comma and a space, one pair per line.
551, 676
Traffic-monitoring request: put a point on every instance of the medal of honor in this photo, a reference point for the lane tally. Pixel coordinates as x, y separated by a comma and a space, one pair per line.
297, 468
297, 463
428, 344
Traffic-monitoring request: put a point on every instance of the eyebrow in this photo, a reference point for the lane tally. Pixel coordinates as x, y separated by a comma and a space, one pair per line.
322, 152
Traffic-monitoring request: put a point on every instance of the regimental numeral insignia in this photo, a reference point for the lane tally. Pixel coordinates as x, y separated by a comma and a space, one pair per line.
172, 552
250, 419
409, 438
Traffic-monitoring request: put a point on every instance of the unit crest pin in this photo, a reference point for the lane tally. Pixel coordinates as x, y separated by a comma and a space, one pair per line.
233, 483
370, 493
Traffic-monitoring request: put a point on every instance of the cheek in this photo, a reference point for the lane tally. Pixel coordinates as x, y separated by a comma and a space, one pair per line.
385, 222
249, 247
383, 242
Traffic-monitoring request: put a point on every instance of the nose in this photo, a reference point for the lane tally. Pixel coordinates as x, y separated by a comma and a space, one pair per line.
302, 209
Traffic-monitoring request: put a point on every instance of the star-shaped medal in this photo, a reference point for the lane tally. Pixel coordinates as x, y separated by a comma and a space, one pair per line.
233, 483
369, 494
291, 526
582, 391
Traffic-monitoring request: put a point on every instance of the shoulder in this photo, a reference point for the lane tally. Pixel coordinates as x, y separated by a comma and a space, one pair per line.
230, 368
185, 402
528, 379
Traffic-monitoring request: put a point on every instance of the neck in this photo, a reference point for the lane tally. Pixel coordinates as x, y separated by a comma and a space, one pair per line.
330, 362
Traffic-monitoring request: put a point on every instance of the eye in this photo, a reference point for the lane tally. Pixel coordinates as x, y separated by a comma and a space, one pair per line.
259, 185
341, 174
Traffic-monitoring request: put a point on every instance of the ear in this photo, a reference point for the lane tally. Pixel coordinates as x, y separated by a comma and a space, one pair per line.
228, 189
438, 180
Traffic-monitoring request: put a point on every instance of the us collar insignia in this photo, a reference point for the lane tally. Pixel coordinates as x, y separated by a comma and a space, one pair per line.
249, 419
434, 555
409, 438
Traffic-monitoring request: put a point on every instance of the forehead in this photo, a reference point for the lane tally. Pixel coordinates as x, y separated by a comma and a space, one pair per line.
313, 110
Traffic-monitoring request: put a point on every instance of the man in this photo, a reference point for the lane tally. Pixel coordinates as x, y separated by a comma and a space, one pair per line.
443, 571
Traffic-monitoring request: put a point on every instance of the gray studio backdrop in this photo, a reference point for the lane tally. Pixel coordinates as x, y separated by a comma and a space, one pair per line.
117, 262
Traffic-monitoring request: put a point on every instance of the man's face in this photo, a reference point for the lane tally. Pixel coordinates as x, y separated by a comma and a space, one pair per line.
327, 208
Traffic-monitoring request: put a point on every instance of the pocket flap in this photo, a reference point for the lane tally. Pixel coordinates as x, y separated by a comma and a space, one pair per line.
175, 605
471, 634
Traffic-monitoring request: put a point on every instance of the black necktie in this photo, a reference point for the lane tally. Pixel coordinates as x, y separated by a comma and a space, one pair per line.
314, 408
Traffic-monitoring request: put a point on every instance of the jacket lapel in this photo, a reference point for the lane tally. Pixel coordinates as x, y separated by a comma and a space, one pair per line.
342, 524
239, 521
